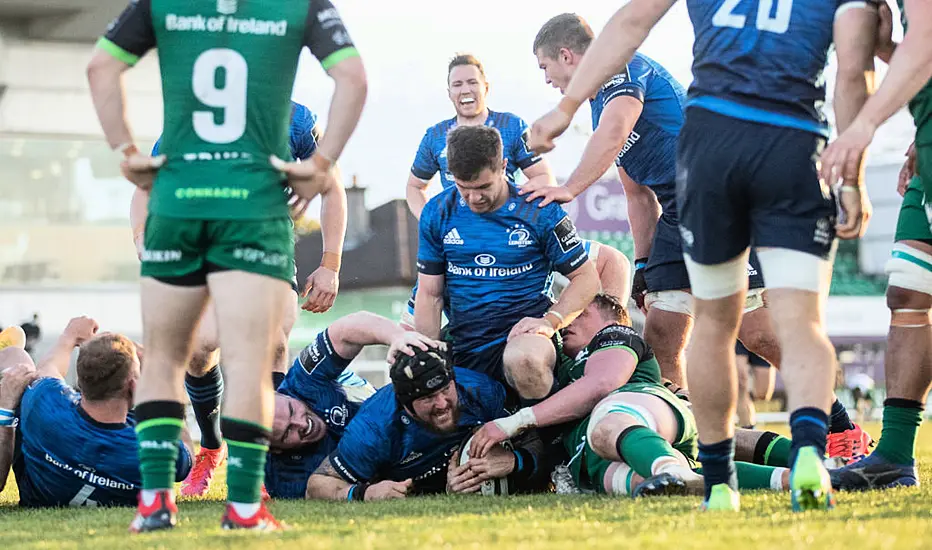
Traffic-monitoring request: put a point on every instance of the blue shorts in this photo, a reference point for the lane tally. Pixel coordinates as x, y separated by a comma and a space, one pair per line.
743, 184
666, 269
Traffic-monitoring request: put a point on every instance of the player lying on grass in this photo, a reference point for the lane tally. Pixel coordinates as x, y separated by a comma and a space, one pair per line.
75, 447
203, 380
316, 399
626, 433
402, 439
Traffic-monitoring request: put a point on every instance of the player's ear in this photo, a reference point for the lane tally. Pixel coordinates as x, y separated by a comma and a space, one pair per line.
504, 165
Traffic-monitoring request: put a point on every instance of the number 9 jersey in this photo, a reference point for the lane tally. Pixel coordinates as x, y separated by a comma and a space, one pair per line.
762, 60
228, 69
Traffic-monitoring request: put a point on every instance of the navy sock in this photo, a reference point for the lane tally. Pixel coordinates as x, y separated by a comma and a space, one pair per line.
840, 422
718, 464
206, 393
809, 427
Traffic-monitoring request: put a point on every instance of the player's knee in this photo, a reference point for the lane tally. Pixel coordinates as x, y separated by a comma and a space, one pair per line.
202, 361
910, 280
762, 343
281, 354
528, 370
603, 435
664, 337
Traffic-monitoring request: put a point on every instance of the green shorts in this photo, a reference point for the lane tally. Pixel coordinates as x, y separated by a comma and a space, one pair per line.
183, 251
913, 223
924, 161
588, 468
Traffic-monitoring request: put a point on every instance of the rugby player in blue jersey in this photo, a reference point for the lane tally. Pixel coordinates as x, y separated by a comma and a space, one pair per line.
203, 380
315, 401
489, 255
757, 88
75, 448
468, 89
402, 440
637, 116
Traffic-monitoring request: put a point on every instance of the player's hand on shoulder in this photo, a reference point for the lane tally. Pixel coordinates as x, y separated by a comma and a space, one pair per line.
388, 490
532, 325
546, 128
559, 194
13, 383
81, 329
140, 169
321, 290
307, 179
407, 342
907, 171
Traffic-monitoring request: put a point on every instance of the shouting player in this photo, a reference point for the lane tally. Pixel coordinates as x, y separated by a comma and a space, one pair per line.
490, 254
218, 224
757, 86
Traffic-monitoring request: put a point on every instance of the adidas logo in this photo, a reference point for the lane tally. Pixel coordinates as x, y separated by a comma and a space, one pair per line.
452, 237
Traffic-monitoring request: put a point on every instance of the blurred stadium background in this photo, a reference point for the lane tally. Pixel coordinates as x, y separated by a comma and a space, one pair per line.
66, 246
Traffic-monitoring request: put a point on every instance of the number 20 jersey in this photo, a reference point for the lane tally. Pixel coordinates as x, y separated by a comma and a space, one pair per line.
762, 60
228, 69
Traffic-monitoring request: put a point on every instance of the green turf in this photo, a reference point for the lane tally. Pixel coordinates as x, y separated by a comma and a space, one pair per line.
888, 520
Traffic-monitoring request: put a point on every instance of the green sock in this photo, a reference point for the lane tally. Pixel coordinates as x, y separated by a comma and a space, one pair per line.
754, 476
773, 450
247, 446
158, 430
640, 447
901, 420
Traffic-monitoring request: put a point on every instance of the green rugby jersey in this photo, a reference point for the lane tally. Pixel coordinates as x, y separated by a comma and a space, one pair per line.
228, 69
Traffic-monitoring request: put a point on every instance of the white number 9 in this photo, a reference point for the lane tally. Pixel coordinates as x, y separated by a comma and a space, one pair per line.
231, 97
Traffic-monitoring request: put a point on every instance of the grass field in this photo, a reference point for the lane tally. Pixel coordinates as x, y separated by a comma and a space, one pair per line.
884, 520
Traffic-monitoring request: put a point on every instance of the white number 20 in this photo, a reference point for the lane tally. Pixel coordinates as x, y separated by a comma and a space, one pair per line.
779, 23
231, 97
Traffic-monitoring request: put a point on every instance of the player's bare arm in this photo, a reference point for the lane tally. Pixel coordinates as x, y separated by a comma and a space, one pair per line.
355, 331
322, 286
910, 68
13, 384
138, 211
606, 371
584, 285
105, 78
615, 126
608, 54
539, 175
56, 362
854, 44
614, 272
416, 194
428, 305
326, 484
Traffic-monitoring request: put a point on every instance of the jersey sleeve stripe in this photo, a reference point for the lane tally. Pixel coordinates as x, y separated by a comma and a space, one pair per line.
117, 52
338, 56
626, 348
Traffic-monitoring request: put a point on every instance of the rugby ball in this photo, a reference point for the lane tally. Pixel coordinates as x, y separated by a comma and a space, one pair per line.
490, 487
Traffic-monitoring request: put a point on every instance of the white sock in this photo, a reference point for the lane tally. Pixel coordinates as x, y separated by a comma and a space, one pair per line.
148, 496
621, 480
246, 510
776, 479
